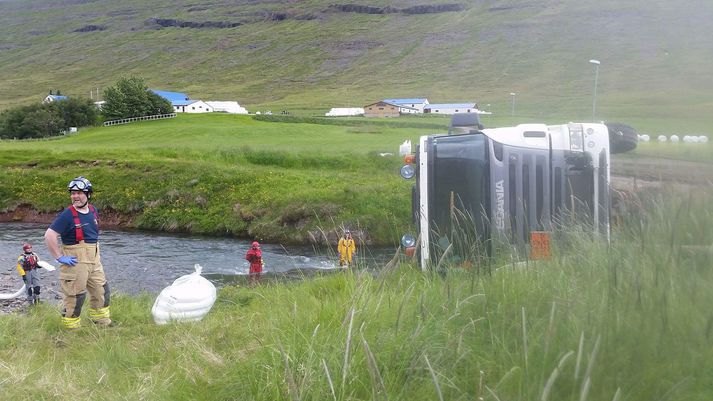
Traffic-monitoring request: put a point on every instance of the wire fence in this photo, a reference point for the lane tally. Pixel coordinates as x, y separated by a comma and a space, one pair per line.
134, 119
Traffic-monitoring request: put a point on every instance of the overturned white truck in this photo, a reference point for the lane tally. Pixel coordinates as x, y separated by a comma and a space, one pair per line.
478, 190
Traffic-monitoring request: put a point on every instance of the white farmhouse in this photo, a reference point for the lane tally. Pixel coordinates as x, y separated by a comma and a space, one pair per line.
192, 106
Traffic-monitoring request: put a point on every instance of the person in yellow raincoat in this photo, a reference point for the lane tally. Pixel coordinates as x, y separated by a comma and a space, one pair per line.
346, 249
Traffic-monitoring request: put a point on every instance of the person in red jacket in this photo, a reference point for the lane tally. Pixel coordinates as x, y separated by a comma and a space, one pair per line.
254, 256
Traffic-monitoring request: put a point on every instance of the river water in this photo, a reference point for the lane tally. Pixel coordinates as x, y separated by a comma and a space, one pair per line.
137, 262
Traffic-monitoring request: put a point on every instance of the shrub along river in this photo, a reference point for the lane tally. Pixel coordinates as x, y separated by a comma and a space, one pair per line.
137, 262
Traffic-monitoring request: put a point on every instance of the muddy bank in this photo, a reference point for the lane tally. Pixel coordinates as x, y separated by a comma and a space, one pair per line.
27, 214
110, 219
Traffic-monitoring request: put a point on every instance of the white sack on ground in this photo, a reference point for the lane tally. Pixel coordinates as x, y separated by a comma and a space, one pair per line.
189, 298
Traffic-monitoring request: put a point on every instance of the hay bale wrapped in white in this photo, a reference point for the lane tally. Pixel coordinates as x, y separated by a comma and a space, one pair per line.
189, 298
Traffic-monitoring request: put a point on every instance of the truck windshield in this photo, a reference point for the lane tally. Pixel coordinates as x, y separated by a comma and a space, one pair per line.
459, 179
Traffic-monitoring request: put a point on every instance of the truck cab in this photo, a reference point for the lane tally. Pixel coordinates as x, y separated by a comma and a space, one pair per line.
478, 190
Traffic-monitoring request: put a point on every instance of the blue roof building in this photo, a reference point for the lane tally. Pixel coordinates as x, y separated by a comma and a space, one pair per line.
409, 105
54, 98
176, 98
407, 101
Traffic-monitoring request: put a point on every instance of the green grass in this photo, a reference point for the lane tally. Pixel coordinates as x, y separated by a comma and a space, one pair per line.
626, 322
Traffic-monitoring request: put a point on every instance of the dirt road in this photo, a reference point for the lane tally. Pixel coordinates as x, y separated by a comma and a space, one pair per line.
663, 170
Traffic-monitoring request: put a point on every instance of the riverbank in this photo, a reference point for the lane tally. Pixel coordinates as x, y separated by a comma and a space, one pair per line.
27, 214
224, 176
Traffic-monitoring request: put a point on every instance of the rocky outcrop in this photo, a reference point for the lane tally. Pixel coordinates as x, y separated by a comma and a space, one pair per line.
278, 16
91, 28
421, 9
168, 22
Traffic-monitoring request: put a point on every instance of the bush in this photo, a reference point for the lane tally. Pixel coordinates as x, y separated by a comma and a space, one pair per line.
46, 120
130, 97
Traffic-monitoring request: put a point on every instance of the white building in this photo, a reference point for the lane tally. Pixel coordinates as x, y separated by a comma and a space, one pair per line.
226, 107
345, 112
452, 108
192, 106
409, 105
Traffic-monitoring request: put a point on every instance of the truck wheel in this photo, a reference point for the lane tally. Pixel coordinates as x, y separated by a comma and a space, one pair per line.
622, 137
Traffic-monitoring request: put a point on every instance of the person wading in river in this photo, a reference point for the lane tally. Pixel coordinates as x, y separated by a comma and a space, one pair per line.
27, 267
81, 270
346, 249
254, 256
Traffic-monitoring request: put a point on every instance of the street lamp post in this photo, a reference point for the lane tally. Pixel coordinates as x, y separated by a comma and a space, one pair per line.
513, 102
490, 114
594, 98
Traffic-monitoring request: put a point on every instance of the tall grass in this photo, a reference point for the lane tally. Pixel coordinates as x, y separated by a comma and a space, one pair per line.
628, 320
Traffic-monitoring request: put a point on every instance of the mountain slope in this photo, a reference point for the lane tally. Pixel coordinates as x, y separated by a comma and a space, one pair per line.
656, 56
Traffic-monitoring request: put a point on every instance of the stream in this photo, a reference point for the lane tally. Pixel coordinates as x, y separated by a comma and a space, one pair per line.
136, 262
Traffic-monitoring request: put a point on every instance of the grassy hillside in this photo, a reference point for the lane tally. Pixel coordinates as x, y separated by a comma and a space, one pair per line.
656, 57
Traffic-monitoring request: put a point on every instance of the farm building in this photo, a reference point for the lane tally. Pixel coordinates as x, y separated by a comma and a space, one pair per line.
381, 109
409, 105
183, 104
345, 112
171, 96
451, 108
192, 106
226, 107
54, 98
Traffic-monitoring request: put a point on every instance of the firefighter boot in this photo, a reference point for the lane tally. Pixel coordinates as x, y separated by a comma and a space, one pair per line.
100, 316
71, 323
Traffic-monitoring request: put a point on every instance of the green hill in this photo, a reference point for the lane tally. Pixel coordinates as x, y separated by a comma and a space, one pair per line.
306, 56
